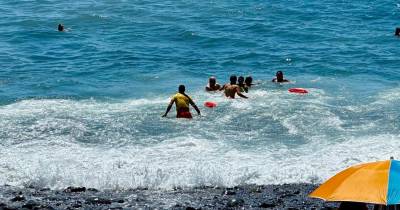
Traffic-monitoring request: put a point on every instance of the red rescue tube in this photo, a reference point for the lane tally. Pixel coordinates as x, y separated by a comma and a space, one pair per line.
298, 90
210, 104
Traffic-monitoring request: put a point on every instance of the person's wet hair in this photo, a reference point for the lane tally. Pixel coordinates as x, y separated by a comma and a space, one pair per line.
279, 76
240, 80
212, 80
181, 88
248, 81
233, 79
60, 27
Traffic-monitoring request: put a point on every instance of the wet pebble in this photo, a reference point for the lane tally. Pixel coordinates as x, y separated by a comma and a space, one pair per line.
9, 208
327, 208
267, 205
118, 200
256, 190
30, 204
18, 198
96, 200
235, 202
75, 189
229, 192
77, 205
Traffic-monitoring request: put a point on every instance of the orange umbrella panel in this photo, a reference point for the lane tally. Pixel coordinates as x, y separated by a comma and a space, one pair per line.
367, 183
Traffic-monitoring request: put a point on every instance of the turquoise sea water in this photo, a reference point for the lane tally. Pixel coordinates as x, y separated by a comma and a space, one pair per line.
83, 107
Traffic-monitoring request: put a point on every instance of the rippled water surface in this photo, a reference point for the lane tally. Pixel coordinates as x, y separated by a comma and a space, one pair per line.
84, 107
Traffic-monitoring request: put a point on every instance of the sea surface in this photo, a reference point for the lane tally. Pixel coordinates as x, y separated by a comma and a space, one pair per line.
83, 107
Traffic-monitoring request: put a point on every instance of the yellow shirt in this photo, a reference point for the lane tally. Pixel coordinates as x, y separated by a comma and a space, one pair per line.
181, 101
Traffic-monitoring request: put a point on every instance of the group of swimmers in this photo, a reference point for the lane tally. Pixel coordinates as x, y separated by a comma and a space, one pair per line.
237, 86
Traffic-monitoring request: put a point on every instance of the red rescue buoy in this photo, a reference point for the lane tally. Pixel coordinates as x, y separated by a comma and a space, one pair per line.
210, 104
298, 90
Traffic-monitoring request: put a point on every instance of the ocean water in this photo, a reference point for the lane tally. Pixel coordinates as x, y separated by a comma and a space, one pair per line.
84, 107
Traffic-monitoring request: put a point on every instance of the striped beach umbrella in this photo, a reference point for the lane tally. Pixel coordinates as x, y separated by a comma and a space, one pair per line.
375, 182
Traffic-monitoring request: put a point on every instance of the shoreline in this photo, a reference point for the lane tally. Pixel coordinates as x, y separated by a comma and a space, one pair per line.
285, 196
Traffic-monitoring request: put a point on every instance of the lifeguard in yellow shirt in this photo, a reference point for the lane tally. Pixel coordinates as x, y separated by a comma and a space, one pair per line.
182, 102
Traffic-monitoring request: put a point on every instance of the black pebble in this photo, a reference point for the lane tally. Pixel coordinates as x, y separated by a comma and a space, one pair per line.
75, 189
77, 205
96, 200
267, 205
30, 204
18, 198
235, 202
229, 192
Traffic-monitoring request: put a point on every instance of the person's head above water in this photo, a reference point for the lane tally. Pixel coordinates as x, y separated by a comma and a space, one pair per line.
248, 81
233, 79
181, 88
240, 80
60, 27
212, 84
212, 81
279, 76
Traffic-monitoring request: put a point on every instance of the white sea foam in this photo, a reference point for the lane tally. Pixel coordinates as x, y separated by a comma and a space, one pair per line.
196, 163
273, 137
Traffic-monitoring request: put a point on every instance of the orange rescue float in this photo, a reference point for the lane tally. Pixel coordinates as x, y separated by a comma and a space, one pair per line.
298, 90
210, 104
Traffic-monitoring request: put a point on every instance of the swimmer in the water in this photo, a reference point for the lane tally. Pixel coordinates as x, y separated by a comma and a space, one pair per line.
212, 84
248, 82
182, 102
232, 88
279, 77
60, 27
242, 85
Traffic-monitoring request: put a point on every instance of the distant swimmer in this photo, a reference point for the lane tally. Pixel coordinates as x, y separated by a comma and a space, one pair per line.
397, 32
232, 89
60, 27
248, 82
212, 84
241, 85
182, 102
279, 77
